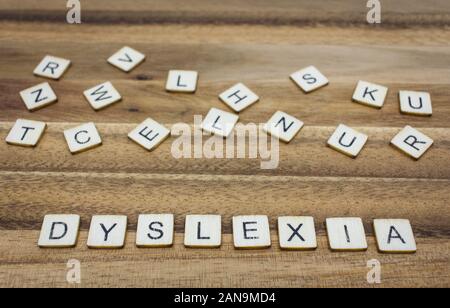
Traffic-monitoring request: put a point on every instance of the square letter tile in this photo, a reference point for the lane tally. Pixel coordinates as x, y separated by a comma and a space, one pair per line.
149, 134
309, 79
395, 236
155, 230
38, 97
219, 122
59, 231
239, 97
346, 234
102, 96
347, 141
412, 142
26, 133
182, 81
250, 232
107, 232
82, 138
283, 126
126, 59
297, 233
416, 103
370, 94
52, 67
203, 231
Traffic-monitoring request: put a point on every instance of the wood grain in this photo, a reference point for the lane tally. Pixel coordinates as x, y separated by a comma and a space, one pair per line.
259, 43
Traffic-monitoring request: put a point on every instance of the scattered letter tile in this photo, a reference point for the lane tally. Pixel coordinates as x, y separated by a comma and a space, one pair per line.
283, 126
370, 94
347, 141
395, 236
107, 232
102, 96
203, 231
346, 234
219, 122
52, 67
309, 79
26, 133
416, 103
239, 97
82, 138
297, 233
155, 230
126, 59
149, 134
251, 232
59, 231
38, 96
182, 81
412, 142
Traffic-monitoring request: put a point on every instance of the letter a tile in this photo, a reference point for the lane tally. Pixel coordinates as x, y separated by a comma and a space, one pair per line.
149, 134
395, 236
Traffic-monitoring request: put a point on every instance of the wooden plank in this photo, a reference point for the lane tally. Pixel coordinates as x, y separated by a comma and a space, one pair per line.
424, 202
224, 267
400, 13
119, 154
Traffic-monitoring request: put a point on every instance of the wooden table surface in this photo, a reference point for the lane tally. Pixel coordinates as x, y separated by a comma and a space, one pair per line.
259, 43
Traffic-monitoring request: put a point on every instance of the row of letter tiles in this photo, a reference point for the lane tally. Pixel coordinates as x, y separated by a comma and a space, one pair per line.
150, 134
238, 97
249, 232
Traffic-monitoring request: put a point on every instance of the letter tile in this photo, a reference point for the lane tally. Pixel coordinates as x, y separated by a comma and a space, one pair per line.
239, 97
107, 232
395, 236
412, 142
38, 97
347, 141
283, 126
102, 96
346, 234
155, 231
251, 232
309, 79
59, 231
82, 138
297, 233
416, 103
203, 231
52, 67
149, 134
26, 133
370, 94
126, 59
182, 81
220, 122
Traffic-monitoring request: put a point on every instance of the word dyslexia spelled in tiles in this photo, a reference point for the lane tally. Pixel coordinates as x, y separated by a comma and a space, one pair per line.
249, 232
